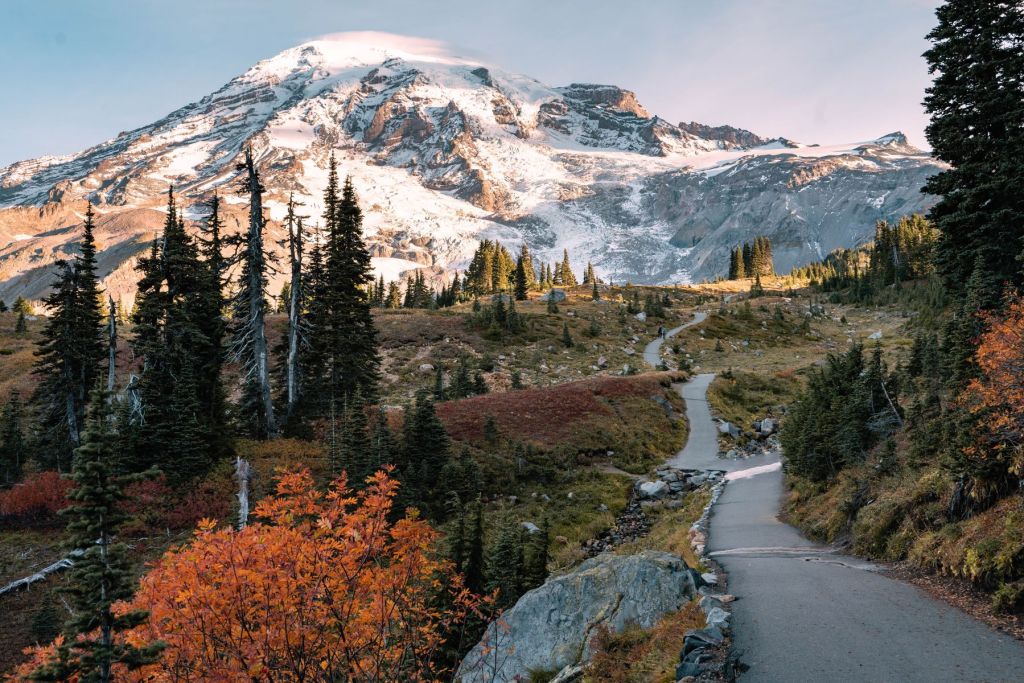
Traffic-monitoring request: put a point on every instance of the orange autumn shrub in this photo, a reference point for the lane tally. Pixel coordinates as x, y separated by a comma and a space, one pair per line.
37, 499
323, 588
997, 396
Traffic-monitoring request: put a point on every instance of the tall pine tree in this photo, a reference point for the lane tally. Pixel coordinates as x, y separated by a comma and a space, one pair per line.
101, 574
977, 126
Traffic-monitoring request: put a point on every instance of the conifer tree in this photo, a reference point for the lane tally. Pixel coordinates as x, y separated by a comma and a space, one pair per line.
566, 337
100, 576
475, 567
249, 337
567, 277
178, 329
356, 445
71, 353
505, 562
528, 268
3, 306
977, 126
13, 449
394, 297
522, 285
22, 305
20, 325
342, 331
537, 565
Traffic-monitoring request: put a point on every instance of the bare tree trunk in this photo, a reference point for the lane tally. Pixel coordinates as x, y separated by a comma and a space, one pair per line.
254, 334
294, 309
111, 344
243, 473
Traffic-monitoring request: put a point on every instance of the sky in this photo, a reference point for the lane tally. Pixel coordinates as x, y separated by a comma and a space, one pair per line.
78, 72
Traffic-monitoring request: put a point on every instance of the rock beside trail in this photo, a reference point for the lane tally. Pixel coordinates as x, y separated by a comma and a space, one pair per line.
550, 627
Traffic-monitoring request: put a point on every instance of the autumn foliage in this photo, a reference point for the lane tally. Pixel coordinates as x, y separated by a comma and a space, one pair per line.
997, 396
36, 499
323, 588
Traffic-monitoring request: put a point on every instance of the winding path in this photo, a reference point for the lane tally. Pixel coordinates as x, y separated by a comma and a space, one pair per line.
804, 612
652, 352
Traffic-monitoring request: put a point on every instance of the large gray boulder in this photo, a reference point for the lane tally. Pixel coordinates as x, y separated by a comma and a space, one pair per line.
550, 627
556, 295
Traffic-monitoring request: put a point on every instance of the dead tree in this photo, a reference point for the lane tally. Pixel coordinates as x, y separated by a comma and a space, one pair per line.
249, 338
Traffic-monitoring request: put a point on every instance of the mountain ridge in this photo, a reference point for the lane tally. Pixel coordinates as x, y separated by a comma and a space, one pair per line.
446, 150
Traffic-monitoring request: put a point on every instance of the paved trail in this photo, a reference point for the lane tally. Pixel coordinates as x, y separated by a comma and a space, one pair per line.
805, 612
652, 352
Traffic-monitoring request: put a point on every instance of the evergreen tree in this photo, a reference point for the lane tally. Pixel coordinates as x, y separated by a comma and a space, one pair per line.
22, 305
462, 384
20, 326
475, 567
537, 565
522, 284
356, 443
179, 426
595, 295
505, 562
207, 310
748, 260
962, 330
71, 353
342, 328
13, 449
977, 126
439, 394
425, 452
528, 268
394, 297
101, 575
382, 443
3, 306
566, 337
249, 338
567, 277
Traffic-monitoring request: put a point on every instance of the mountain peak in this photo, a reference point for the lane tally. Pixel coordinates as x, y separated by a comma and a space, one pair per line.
338, 51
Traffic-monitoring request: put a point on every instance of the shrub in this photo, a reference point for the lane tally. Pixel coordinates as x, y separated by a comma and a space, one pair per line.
37, 499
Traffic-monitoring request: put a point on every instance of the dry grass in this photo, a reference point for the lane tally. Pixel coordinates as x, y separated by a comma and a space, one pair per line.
639, 655
670, 529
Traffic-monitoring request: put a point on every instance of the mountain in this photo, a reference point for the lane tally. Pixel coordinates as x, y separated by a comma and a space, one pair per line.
443, 151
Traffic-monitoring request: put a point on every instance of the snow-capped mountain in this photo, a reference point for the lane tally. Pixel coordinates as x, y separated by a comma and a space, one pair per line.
443, 151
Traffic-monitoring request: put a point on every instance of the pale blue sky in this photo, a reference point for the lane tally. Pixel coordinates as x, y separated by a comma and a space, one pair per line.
77, 72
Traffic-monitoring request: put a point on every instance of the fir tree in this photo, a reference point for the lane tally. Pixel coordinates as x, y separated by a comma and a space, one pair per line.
101, 575
566, 337
425, 451
71, 353
537, 565
528, 268
20, 326
505, 562
394, 297
565, 271
977, 126
522, 284
475, 567
13, 449
356, 444
295, 340
22, 305
342, 328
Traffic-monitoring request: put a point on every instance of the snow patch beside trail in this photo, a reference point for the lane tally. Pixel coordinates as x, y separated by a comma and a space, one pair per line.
753, 471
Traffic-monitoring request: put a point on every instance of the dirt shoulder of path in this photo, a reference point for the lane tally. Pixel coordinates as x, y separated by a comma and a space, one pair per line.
962, 595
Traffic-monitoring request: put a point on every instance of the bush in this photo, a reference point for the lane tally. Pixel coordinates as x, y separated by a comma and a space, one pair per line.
37, 499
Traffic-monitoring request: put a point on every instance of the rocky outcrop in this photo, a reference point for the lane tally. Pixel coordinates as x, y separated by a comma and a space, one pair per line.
550, 627
733, 137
